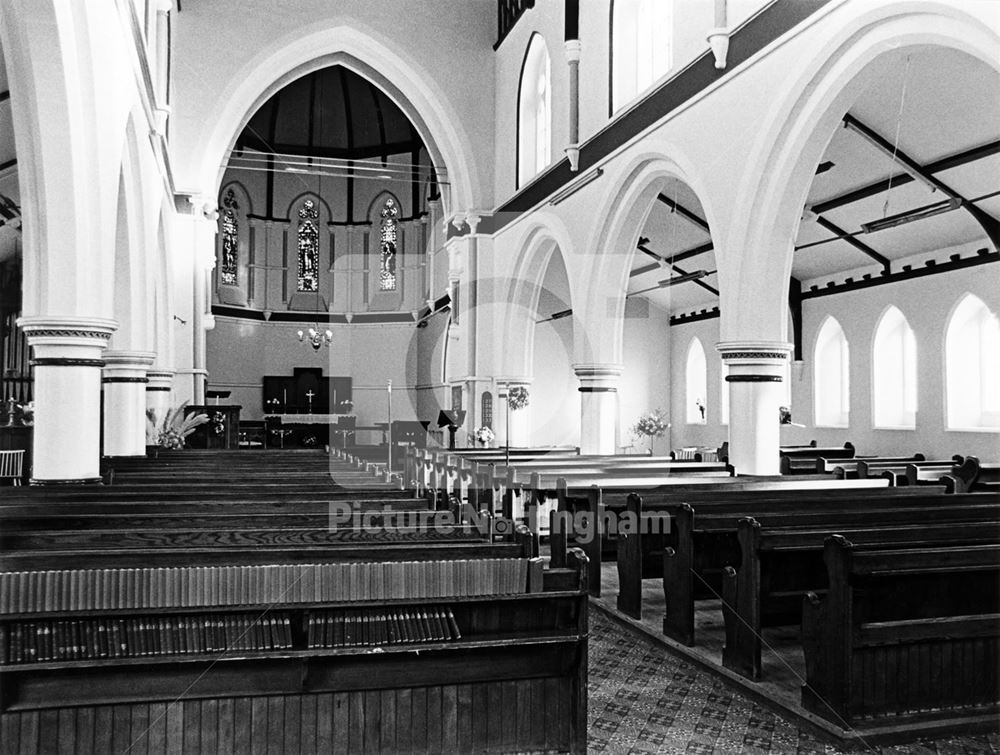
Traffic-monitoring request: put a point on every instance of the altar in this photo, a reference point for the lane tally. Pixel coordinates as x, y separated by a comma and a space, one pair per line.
308, 419
308, 430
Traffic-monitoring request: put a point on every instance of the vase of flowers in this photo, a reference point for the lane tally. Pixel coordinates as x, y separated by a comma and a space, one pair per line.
484, 436
650, 425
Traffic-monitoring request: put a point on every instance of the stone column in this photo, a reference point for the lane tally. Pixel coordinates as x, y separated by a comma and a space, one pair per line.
755, 393
67, 360
573, 60
159, 393
124, 381
598, 407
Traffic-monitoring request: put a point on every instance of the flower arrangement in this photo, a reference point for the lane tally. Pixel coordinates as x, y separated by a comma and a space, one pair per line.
173, 431
517, 397
484, 435
219, 423
650, 425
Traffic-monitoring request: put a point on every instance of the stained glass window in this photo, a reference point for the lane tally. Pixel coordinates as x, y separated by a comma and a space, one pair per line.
230, 239
308, 247
387, 258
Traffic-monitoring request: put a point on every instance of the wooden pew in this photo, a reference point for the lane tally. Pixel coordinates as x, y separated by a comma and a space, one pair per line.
783, 558
848, 468
895, 470
904, 635
973, 476
803, 460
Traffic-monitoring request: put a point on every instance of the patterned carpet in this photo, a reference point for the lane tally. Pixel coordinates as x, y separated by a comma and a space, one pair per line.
643, 699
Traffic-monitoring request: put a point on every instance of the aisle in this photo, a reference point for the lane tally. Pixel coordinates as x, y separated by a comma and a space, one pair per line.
643, 699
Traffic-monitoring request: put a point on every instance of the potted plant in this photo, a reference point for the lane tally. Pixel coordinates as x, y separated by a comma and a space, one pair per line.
174, 429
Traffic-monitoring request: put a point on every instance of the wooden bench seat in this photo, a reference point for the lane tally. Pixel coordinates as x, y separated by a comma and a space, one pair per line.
780, 560
904, 635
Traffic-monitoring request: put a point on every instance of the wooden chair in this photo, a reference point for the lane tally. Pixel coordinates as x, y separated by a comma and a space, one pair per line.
12, 466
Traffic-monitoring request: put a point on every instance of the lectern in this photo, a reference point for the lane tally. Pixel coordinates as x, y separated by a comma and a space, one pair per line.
452, 419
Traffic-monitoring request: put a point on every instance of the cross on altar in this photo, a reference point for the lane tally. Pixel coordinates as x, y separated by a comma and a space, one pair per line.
309, 396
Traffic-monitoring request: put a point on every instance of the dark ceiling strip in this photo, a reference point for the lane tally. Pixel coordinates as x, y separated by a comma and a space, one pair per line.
572, 19
872, 189
684, 212
4, 96
692, 252
8, 164
680, 256
348, 120
758, 32
311, 137
509, 13
380, 118
861, 246
643, 270
989, 223
983, 257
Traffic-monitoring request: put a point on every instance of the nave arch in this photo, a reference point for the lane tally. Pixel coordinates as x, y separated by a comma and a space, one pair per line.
360, 50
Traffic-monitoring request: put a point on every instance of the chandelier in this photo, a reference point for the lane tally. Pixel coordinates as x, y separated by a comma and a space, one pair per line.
316, 338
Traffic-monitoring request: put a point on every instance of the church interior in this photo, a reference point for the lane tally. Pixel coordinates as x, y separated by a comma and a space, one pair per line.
499, 376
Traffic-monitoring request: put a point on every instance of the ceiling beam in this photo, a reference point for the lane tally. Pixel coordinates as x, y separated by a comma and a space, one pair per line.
4, 96
8, 164
686, 254
684, 212
680, 271
989, 224
861, 246
954, 161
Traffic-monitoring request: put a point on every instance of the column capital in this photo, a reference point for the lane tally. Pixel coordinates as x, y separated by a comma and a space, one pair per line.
598, 371
159, 380
129, 359
68, 330
572, 50
754, 352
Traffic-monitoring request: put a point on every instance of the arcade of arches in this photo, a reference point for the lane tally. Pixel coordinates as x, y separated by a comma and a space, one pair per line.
586, 202
341, 175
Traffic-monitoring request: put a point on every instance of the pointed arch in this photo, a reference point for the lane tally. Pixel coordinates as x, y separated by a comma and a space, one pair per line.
894, 372
534, 111
695, 383
831, 375
972, 366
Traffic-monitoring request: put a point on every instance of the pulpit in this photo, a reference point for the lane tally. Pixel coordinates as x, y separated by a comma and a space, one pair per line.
222, 429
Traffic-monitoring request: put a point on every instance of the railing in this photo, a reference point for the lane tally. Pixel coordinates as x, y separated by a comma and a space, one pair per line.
508, 13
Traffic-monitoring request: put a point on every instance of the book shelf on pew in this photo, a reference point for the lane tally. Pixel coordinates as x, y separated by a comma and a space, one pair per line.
530, 627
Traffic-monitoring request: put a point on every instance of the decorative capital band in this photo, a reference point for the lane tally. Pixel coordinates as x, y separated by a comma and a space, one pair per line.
67, 333
753, 378
124, 380
158, 388
597, 389
65, 362
754, 355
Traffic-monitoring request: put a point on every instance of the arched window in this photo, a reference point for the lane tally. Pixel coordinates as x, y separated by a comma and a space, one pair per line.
894, 372
641, 36
308, 272
695, 384
831, 376
534, 112
387, 253
972, 354
229, 267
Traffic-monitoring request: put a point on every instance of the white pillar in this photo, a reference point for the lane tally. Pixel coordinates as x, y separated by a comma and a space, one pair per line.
756, 370
124, 381
67, 358
159, 393
598, 407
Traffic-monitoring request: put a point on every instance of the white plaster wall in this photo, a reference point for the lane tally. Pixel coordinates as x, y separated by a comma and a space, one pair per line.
242, 352
645, 382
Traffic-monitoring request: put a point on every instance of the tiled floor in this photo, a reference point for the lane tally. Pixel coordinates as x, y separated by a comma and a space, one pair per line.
645, 699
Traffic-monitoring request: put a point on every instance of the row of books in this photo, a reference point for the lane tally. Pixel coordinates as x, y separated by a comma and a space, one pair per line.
92, 639
373, 627
179, 587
